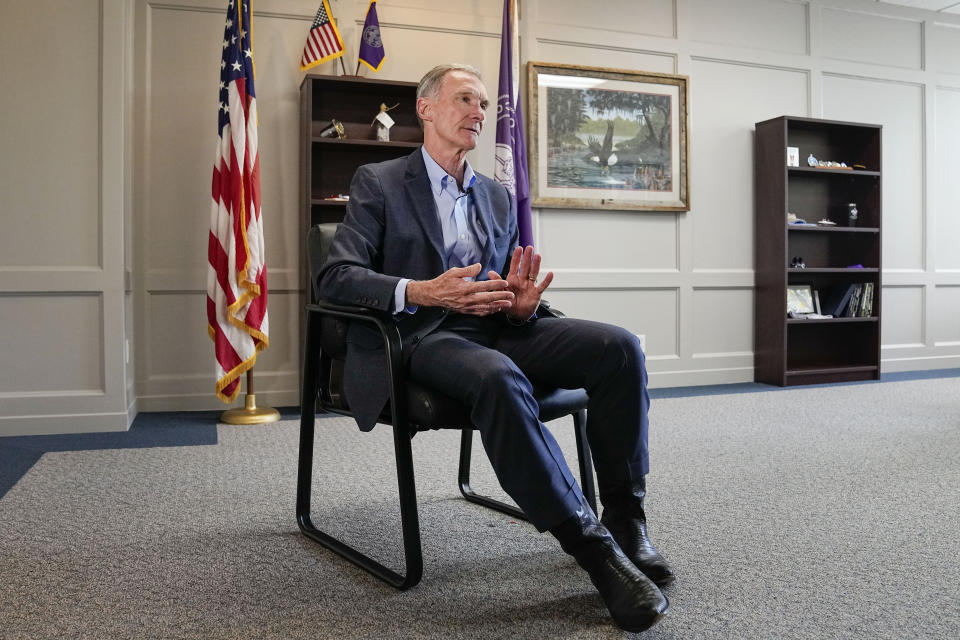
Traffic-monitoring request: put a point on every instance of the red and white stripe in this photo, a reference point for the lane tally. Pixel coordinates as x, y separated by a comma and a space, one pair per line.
322, 42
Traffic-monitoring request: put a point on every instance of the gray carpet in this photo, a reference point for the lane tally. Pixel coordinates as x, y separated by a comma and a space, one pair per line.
827, 512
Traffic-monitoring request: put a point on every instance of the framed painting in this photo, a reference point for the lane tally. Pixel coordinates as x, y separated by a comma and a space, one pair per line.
607, 138
800, 299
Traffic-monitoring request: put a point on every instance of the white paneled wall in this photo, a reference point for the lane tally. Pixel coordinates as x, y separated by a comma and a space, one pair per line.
106, 200
766, 26
64, 179
872, 39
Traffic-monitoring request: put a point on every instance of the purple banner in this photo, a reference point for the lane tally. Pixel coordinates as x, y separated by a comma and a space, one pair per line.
511, 150
371, 45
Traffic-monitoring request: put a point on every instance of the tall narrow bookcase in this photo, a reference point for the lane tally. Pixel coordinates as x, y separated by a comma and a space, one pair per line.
327, 164
793, 351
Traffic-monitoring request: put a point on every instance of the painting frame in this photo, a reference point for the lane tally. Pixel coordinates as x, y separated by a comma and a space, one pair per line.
570, 157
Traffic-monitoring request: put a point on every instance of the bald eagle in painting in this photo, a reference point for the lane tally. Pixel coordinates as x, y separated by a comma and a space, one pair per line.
603, 153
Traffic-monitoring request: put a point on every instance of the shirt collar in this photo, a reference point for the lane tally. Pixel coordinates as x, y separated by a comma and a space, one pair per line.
439, 178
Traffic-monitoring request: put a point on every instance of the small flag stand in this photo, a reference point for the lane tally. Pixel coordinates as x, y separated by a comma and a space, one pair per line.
251, 413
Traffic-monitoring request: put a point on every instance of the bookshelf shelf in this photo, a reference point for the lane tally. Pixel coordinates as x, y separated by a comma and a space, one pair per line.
851, 272
821, 229
801, 321
372, 144
802, 351
323, 202
834, 172
831, 373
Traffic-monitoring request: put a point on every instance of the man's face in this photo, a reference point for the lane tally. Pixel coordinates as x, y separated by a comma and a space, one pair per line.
456, 113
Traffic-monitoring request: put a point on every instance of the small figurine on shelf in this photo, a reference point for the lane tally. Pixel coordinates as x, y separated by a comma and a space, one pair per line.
383, 122
798, 263
334, 129
793, 156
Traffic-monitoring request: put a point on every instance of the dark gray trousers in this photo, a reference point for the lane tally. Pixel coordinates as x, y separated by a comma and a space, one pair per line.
491, 367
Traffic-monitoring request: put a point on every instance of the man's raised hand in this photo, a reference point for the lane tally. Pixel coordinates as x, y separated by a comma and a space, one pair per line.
522, 281
450, 291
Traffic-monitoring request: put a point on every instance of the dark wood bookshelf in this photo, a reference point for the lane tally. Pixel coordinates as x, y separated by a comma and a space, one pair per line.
327, 164
794, 351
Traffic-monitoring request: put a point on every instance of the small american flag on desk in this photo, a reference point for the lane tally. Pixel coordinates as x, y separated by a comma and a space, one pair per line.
323, 42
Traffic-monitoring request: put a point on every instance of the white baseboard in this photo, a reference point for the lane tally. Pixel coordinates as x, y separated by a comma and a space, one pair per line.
209, 402
922, 363
663, 379
45, 425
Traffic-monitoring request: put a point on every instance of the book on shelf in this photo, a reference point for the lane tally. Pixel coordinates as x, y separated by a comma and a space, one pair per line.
866, 304
852, 301
836, 302
854, 304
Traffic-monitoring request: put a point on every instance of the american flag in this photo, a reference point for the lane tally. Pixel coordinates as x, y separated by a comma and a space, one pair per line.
237, 273
323, 41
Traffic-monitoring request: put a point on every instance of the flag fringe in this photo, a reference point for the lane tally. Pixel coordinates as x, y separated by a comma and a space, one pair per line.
229, 379
332, 56
241, 368
377, 68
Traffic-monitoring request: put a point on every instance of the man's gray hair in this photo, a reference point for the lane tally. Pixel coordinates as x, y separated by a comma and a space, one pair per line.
431, 82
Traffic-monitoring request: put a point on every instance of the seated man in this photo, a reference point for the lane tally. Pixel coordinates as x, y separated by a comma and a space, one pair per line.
431, 241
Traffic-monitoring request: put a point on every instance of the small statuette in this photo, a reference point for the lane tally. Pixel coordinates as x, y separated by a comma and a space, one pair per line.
852, 214
793, 156
334, 129
383, 122
812, 161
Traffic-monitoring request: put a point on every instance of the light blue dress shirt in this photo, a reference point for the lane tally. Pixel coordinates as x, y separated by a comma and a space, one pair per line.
456, 211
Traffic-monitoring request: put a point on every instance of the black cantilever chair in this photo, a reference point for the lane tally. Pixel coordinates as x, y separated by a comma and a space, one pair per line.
411, 408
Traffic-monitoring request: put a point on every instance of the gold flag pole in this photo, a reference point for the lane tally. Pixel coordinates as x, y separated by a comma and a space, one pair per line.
251, 413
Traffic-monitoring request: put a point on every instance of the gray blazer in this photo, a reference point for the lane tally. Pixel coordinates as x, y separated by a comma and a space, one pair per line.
391, 231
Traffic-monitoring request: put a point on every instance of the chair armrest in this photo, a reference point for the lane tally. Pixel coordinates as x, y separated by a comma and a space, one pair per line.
391, 339
546, 311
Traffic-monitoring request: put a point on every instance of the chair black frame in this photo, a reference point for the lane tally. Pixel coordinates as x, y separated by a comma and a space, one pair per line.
316, 393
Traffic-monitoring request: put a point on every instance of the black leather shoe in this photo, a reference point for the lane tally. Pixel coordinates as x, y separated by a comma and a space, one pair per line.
634, 601
631, 534
624, 517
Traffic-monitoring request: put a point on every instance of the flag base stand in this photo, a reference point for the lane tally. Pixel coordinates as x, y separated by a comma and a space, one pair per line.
250, 414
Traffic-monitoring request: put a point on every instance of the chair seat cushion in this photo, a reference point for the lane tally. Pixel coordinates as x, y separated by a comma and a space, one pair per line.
431, 409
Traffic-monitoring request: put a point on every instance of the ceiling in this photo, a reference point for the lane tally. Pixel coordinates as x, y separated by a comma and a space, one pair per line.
946, 6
